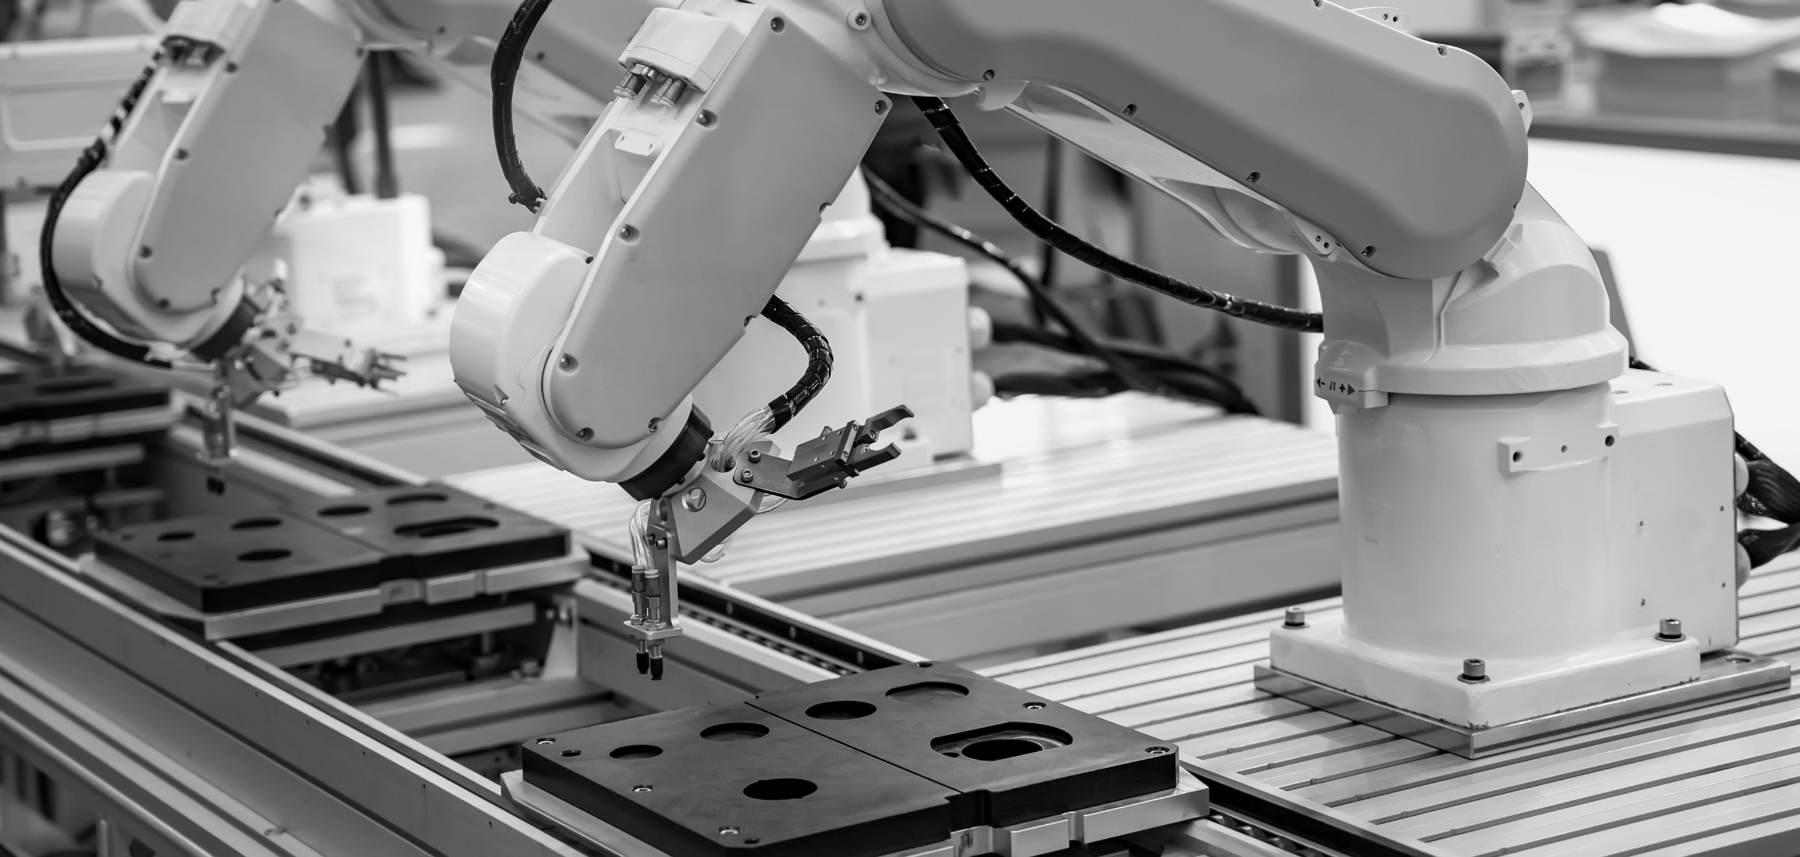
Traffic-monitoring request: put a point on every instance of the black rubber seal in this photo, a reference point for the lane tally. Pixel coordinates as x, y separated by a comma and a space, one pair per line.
675, 462
229, 334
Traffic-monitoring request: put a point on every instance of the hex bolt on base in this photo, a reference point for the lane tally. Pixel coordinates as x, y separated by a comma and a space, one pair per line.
1474, 671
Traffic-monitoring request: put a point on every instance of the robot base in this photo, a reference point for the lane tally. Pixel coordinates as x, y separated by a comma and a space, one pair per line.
1724, 675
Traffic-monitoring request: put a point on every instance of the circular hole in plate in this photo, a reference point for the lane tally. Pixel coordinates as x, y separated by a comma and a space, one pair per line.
633, 751
265, 555
410, 499
256, 523
995, 749
843, 709
928, 691
344, 511
734, 732
785, 788
175, 536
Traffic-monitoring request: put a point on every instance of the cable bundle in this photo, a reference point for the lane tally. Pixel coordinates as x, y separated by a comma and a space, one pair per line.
1052, 233
1128, 366
90, 160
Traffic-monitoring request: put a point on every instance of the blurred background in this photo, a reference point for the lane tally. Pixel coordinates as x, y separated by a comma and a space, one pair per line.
1667, 133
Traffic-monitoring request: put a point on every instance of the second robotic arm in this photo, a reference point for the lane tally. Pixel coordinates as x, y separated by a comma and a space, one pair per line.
150, 240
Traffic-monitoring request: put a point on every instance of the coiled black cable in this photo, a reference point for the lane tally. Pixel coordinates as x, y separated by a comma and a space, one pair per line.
507, 55
818, 361
90, 160
1215, 388
1191, 378
1052, 233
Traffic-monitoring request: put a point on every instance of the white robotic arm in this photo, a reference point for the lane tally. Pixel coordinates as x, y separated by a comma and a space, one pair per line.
152, 236
1491, 448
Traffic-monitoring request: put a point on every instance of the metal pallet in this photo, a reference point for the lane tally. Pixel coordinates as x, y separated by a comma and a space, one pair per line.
1719, 780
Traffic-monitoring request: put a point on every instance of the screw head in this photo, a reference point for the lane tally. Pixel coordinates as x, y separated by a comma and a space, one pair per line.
566, 363
628, 233
641, 789
728, 830
1669, 631
1295, 618
1034, 706
1474, 671
695, 499
755, 455
747, 475
584, 434
859, 19
881, 107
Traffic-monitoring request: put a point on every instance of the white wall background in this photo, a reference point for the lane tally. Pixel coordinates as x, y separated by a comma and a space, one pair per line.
1703, 247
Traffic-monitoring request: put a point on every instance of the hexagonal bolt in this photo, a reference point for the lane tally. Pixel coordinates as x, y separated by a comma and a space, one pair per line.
1474, 671
1295, 618
1669, 631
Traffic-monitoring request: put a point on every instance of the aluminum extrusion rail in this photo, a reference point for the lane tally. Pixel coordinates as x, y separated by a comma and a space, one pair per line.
1724, 779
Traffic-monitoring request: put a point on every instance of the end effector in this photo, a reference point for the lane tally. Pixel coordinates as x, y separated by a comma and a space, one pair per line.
693, 522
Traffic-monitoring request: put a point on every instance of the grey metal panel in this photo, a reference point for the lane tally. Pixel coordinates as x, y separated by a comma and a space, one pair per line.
152, 742
337, 761
1160, 550
1068, 481
1110, 595
1724, 779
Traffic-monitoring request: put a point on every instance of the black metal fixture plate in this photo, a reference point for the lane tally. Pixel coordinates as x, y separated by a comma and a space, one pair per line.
33, 395
755, 784
975, 751
217, 564
434, 530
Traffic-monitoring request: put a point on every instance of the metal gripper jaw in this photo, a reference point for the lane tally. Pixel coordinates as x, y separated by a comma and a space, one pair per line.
823, 463
691, 521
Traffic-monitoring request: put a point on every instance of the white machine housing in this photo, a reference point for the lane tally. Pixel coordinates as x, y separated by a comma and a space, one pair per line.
359, 265
899, 325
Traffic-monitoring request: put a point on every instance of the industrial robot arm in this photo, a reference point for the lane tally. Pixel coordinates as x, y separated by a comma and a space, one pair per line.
1466, 325
145, 250
1289, 126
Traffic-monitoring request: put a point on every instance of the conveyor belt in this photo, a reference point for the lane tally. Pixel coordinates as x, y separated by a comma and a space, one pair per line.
1700, 782
1104, 513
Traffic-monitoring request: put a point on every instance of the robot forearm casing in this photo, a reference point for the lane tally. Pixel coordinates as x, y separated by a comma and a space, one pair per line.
692, 198
151, 243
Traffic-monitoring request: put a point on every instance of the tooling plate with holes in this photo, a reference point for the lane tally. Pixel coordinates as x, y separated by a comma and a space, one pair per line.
732, 779
436, 530
217, 563
984, 753
37, 407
